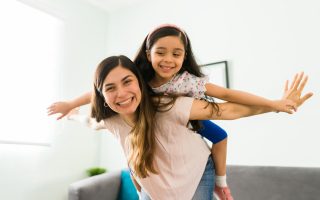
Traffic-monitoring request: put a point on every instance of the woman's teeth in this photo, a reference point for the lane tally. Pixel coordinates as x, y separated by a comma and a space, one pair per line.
125, 102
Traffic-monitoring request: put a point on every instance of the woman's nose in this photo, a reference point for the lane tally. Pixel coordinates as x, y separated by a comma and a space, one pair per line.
121, 91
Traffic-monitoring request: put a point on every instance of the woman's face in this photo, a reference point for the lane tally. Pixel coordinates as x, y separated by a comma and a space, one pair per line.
121, 91
167, 56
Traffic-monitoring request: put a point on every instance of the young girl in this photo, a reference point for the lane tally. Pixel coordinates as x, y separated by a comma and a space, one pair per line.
168, 65
153, 131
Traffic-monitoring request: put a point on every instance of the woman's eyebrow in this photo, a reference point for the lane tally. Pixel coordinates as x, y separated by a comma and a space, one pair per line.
108, 84
123, 79
126, 77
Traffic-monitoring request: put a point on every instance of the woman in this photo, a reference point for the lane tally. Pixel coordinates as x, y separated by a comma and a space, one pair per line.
167, 159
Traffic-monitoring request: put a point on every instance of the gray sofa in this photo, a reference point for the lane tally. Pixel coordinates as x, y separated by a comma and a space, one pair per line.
246, 183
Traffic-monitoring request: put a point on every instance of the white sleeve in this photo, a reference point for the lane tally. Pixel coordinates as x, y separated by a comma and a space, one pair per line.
88, 121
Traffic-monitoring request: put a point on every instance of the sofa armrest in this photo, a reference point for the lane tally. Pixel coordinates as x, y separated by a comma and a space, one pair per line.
104, 186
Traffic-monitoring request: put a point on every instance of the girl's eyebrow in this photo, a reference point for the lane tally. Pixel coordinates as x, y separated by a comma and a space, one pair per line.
163, 48
123, 79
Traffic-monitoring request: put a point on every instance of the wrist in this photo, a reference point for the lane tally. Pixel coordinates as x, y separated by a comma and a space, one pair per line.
274, 106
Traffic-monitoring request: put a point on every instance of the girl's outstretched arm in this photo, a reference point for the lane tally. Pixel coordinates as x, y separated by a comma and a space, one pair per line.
64, 107
202, 110
245, 98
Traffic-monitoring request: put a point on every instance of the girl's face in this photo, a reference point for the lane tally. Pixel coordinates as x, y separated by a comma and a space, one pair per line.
121, 91
166, 56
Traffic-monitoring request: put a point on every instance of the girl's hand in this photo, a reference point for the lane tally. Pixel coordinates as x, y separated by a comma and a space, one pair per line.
294, 92
62, 107
284, 105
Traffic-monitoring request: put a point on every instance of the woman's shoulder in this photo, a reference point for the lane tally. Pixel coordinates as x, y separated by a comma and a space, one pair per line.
172, 98
174, 103
177, 111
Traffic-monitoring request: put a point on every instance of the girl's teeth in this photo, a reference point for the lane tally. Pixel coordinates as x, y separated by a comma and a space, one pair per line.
166, 67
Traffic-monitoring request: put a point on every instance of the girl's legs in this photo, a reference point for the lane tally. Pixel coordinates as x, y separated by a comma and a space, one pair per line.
219, 155
218, 137
205, 188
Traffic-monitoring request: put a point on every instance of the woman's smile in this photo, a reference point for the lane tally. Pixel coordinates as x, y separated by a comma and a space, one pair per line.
121, 91
126, 102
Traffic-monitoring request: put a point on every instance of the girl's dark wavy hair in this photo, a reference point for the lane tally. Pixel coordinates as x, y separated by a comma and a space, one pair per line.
189, 64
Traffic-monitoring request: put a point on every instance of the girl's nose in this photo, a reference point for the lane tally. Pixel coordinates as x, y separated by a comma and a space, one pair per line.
168, 58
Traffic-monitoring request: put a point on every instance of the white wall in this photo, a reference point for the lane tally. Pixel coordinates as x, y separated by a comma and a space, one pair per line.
266, 42
37, 172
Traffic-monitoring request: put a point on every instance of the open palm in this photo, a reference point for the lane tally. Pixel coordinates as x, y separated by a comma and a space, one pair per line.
294, 92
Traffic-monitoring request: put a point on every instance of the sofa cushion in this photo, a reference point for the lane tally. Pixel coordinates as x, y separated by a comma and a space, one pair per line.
127, 189
274, 183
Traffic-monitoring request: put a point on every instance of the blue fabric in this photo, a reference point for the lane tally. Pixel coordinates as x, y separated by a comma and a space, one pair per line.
212, 132
127, 189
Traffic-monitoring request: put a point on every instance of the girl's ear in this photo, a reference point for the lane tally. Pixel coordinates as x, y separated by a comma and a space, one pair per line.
148, 55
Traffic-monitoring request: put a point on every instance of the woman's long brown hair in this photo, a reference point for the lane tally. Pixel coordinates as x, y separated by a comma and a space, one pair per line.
142, 138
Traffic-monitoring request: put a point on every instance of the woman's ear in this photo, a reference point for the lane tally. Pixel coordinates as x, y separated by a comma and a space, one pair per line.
148, 55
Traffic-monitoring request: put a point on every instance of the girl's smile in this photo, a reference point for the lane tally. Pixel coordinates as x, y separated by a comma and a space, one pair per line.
166, 56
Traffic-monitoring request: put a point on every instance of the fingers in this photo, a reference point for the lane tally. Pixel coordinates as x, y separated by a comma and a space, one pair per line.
306, 97
295, 108
289, 111
297, 81
294, 80
304, 81
286, 86
52, 109
292, 108
61, 116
